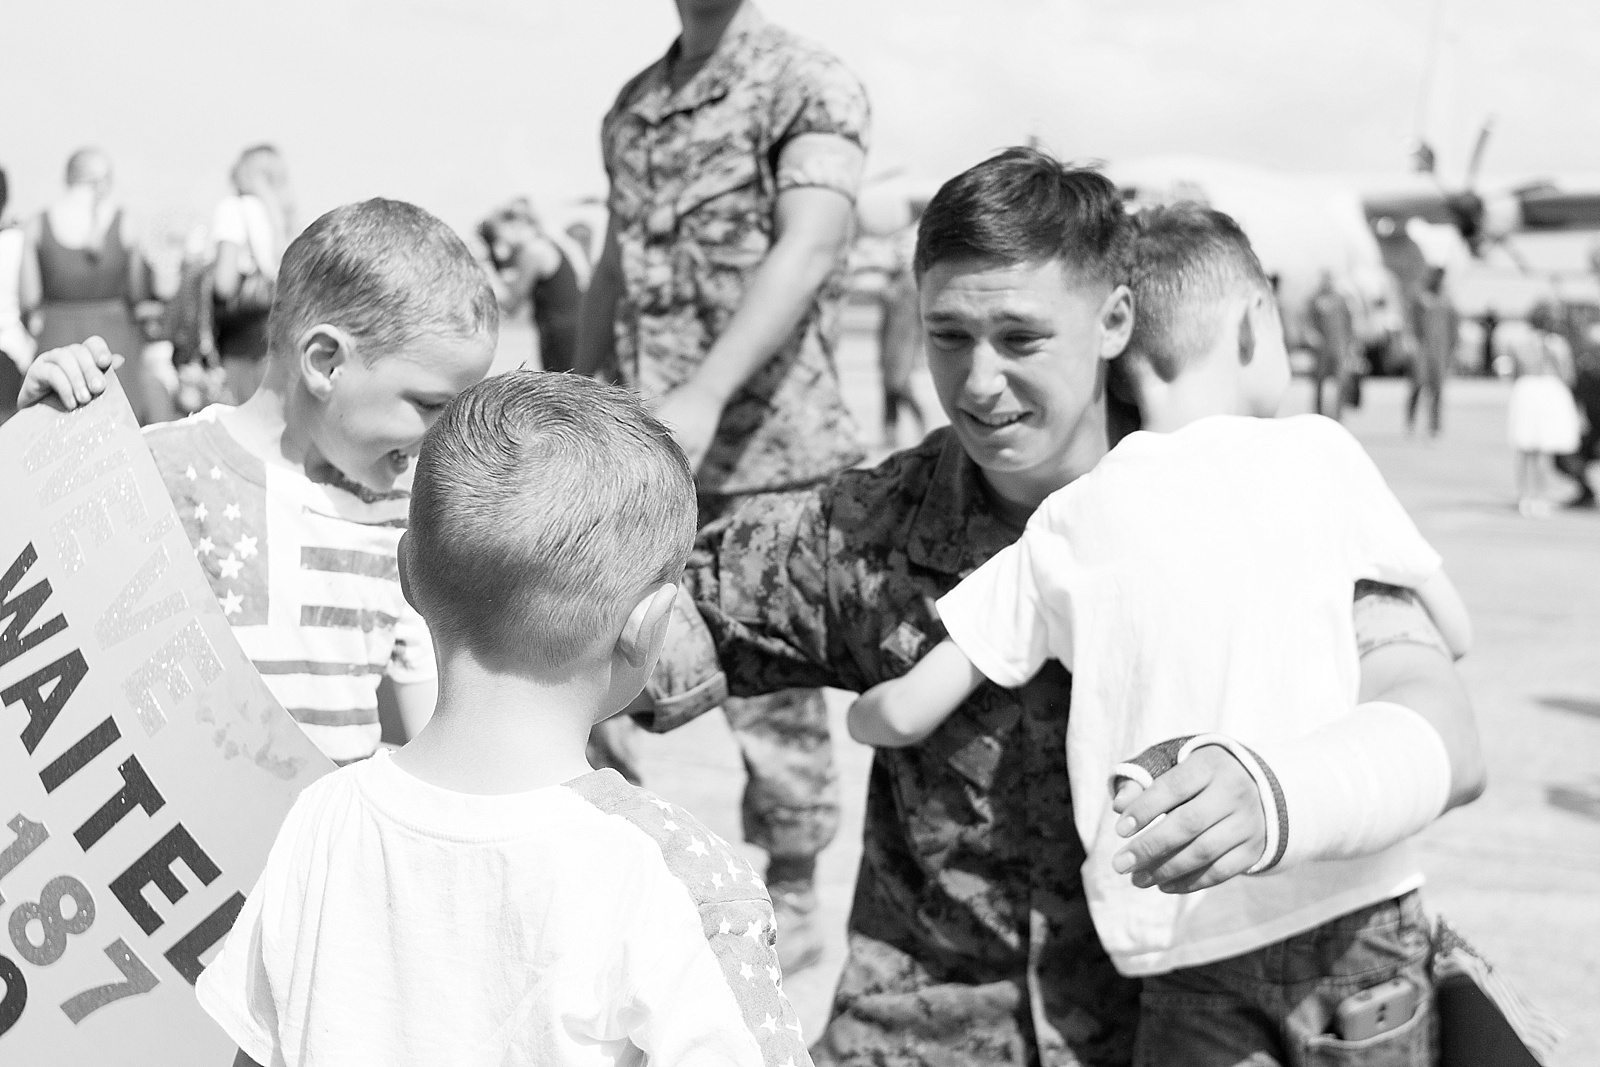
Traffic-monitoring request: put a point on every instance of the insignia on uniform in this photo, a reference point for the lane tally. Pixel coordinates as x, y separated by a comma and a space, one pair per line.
905, 643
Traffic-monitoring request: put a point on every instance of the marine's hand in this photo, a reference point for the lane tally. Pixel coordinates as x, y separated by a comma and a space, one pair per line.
1214, 826
692, 414
74, 373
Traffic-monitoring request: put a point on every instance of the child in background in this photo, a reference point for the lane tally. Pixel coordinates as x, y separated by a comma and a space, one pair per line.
1198, 583
381, 317
481, 896
1542, 418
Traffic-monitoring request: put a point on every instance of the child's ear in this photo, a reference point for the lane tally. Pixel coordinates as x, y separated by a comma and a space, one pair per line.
646, 629
1116, 322
324, 351
403, 558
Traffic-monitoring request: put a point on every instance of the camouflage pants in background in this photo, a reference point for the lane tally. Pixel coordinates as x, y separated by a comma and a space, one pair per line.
791, 795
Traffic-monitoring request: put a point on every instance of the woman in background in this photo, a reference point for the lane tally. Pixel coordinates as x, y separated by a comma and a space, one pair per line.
83, 271
249, 232
16, 344
1542, 418
531, 265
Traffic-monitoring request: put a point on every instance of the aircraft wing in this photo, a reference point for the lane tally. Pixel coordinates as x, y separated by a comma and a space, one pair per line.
1429, 205
1557, 209
1539, 207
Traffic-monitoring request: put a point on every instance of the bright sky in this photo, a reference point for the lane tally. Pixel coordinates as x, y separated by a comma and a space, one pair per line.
458, 103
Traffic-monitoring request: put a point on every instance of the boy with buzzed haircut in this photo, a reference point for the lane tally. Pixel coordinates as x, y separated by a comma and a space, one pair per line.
381, 317
1198, 585
481, 896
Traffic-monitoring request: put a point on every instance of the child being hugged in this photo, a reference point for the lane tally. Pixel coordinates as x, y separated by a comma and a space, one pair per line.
381, 317
481, 896
1198, 583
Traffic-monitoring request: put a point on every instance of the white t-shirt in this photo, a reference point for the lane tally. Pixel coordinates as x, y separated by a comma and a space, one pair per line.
15, 341
1194, 582
587, 923
243, 222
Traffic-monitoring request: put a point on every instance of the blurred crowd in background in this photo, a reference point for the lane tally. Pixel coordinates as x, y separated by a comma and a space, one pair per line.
187, 305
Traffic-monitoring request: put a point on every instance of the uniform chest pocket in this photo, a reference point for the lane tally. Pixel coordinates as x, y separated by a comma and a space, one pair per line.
726, 181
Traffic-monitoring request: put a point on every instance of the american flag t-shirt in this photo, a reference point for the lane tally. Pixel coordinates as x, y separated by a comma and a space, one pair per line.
305, 572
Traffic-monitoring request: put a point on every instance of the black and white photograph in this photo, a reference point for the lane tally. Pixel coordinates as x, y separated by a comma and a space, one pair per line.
773, 533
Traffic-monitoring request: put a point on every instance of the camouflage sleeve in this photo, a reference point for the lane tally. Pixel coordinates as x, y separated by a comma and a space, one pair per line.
687, 680
818, 95
759, 576
1390, 615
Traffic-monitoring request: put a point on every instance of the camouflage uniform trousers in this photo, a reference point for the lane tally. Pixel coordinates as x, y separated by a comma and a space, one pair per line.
791, 796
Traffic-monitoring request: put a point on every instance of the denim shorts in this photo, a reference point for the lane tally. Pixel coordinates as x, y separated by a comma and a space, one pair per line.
1274, 1007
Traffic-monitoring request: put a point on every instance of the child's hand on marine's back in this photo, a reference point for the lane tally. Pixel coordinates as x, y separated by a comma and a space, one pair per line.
871, 719
1214, 827
74, 373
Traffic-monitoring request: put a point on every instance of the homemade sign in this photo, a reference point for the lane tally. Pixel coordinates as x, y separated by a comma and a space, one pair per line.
144, 767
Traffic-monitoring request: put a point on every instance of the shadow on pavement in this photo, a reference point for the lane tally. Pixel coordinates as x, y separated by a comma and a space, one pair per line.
1579, 800
1577, 705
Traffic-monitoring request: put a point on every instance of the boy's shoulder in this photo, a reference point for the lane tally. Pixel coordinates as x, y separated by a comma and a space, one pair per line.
198, 450
695, 856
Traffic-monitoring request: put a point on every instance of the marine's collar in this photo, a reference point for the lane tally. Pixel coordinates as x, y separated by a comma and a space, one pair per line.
711, 82
956, 529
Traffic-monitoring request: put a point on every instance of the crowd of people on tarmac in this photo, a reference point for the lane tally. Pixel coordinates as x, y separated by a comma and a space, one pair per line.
683, 523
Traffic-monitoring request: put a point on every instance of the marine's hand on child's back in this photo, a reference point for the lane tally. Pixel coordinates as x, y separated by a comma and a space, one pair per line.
73, 373
1214, 830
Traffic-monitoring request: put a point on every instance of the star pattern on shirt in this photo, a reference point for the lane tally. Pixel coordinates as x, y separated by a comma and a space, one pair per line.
738, 923
224, 516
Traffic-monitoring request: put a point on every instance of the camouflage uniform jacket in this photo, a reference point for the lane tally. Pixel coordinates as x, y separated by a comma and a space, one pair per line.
695, 179
970, 936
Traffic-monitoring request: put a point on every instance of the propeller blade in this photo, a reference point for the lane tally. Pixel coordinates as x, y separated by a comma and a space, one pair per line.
1477, 153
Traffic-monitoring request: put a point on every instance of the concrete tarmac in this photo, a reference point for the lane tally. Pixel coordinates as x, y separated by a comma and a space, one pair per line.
1518, 872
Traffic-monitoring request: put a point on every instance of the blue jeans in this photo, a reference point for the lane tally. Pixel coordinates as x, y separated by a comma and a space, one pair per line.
1274, 1007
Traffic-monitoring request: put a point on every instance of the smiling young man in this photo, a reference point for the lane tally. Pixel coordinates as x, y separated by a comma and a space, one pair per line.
382, 316
970, 936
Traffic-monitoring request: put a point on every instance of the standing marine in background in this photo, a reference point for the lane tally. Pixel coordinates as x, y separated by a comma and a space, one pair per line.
734, 162
1333, 326
1436, 325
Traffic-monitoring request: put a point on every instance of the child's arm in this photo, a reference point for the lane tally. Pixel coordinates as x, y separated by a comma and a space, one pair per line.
1438, 594
907, 709
73, 373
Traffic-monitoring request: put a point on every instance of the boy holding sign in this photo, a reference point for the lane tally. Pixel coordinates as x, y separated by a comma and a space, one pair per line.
381, 317
482, 896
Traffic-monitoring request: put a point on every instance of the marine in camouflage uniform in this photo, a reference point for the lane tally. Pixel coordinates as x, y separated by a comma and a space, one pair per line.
970, 940
696, 174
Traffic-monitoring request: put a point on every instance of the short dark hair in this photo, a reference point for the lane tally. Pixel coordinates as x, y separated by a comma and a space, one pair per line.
1026, 206
544, 506
1187, 260
384, 271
